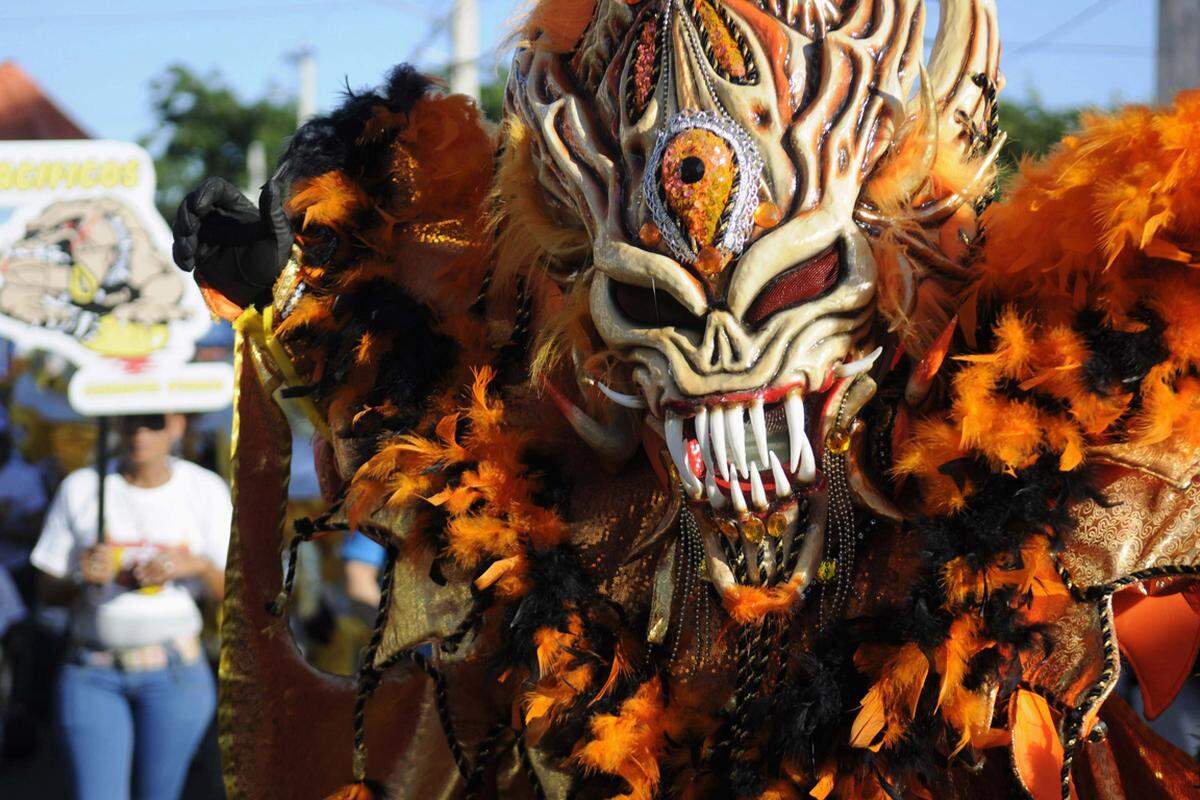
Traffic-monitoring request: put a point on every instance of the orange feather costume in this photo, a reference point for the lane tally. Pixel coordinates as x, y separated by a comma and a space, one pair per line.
555, 621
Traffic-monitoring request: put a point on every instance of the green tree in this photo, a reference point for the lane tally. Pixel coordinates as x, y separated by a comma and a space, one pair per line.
1032, 129
203, 128
491, 95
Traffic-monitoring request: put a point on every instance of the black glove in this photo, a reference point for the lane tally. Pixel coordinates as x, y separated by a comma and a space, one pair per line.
235, 248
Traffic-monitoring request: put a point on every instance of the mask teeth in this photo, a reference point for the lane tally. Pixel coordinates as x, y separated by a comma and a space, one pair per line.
801, 461
716, 498
758, 495
739, 500
673, 432
717, 428
702, 438
735, 421
735, 451
620, 398
858, 367
783, 486
758, 423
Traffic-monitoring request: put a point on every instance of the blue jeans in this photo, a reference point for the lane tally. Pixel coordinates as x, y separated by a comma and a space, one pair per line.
133, 734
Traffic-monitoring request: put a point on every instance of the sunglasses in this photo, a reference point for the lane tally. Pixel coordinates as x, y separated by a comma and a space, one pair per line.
151, 422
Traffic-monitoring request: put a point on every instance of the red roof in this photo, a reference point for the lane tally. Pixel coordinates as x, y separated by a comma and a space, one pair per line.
26, 112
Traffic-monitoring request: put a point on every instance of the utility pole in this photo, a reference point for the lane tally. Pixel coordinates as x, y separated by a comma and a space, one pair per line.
1178, 47
305, 60
256, 168
464, 61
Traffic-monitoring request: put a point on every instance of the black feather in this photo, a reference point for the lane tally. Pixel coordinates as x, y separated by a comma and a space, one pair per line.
332, 142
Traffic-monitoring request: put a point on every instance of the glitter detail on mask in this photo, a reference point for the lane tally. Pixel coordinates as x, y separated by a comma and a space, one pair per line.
644, 74
721, 41
697, 175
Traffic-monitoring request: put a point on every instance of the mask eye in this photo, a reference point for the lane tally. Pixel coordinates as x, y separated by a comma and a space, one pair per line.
724, 44
653, 308
698, 176
702, 183
799, 284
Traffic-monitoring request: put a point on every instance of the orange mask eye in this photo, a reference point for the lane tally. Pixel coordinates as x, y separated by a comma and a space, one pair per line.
702, 185
698, 174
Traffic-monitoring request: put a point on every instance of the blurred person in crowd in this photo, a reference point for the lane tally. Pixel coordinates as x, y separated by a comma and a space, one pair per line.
22, 503
136, 694
362, 559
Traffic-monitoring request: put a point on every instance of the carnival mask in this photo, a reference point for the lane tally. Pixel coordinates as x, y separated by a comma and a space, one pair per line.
718, 154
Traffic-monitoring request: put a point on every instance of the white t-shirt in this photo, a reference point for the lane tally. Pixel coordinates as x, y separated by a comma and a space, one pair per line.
192, 509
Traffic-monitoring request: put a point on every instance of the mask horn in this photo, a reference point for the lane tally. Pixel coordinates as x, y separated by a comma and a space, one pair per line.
964, 68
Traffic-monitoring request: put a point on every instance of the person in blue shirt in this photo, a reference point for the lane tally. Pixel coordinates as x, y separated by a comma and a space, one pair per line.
362, 559
23, 501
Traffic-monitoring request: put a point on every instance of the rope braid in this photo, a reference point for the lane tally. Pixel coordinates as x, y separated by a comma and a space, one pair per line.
442, 701
1074, 718
483, 756
305, 530
531, 775
479, 304
518, 342
753, 656
1073, 722
368, 673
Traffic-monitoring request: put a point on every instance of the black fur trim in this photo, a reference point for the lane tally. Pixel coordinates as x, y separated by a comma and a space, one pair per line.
1118, 361
331, 142
559, 586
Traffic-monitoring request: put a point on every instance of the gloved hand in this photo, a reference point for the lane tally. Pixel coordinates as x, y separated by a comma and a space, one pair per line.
235, 248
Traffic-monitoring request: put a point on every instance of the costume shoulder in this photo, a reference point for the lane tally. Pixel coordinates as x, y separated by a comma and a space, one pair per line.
1080, 332
386, 197
1054, 468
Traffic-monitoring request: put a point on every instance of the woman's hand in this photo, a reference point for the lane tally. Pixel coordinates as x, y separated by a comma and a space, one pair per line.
98, 565
169, 565
177, 564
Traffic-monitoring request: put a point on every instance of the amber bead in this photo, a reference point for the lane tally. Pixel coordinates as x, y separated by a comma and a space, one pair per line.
753, 530
767, 215
728, 530
838, 441
776, 525
710, 261
650, 235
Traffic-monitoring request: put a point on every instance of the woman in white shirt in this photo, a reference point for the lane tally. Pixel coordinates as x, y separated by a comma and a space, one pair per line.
136, 693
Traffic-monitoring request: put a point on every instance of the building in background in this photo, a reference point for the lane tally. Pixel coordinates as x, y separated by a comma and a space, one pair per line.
26, 112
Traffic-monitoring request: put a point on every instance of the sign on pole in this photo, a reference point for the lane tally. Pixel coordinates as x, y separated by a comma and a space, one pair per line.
86, 272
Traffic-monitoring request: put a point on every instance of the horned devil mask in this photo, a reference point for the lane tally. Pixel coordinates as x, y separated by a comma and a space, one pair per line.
724, 159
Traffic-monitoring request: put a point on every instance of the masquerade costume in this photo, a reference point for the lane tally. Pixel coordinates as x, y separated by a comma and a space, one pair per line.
725, 437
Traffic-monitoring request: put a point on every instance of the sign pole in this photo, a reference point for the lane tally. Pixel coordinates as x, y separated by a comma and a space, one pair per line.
102, 472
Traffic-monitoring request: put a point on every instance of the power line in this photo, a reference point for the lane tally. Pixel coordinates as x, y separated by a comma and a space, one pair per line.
1084, 15
1081, 48
230, 12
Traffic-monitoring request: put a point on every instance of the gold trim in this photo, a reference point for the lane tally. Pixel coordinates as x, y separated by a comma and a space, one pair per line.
259, 329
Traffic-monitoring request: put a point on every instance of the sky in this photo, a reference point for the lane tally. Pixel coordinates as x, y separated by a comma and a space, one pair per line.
98, 59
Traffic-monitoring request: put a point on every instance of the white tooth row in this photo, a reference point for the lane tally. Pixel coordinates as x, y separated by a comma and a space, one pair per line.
721, 434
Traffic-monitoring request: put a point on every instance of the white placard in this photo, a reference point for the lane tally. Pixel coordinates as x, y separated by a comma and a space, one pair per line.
101, 391
85, 258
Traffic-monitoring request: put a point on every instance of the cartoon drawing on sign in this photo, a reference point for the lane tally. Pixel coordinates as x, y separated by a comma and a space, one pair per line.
85, 259
87, 267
